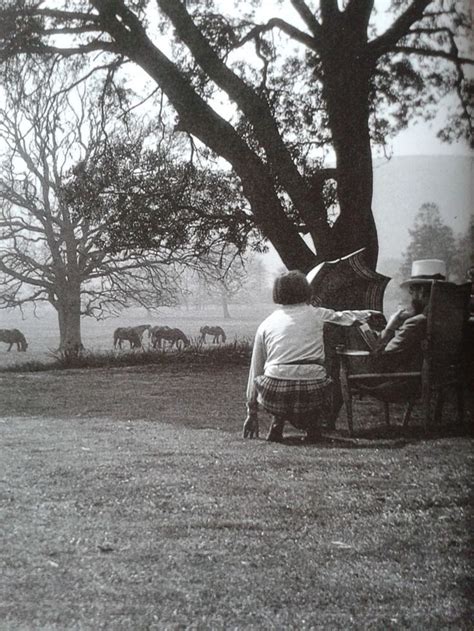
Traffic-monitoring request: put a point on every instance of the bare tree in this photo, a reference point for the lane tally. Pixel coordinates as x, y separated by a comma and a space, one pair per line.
218, 278
48, 252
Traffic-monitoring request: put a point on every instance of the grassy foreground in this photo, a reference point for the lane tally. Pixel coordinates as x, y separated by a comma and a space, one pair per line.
130, 501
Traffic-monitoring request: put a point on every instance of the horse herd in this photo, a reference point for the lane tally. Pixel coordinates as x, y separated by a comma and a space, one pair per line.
158, 336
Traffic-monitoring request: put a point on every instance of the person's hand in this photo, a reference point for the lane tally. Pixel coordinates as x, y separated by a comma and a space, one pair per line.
377, 321
396, 319
250, 429
369, 314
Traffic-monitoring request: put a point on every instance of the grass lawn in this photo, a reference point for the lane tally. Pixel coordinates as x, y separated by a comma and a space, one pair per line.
129, 501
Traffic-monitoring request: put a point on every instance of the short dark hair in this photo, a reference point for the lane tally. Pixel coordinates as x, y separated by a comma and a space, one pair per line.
291, 288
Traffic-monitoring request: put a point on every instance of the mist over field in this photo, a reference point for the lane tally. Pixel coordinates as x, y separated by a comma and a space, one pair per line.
42, 334
403, 184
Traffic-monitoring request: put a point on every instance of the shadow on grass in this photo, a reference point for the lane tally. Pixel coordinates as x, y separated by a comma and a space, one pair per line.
393, 437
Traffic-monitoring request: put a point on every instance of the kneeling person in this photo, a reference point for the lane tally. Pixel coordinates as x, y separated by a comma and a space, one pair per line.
287, 374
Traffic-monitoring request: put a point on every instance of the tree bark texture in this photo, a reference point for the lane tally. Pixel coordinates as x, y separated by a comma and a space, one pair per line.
68, 307
347, 69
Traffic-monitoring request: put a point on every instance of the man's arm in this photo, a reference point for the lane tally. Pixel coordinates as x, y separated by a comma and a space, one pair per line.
395, 322
409, 335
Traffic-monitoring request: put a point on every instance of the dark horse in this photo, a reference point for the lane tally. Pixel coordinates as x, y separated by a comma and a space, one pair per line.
13, 336
216, 331
175, 336
133, 334
154, 335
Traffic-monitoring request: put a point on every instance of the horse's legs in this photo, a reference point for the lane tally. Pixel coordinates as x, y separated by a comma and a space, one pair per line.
10, 347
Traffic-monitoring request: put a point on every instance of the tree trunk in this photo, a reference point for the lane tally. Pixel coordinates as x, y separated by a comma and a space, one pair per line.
225, 306
68, 306
347, 74
347, 98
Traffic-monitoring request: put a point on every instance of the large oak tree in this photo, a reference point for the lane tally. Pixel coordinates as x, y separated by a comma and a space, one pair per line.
268, 95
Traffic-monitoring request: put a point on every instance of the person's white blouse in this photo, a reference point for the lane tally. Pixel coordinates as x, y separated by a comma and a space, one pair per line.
291, 337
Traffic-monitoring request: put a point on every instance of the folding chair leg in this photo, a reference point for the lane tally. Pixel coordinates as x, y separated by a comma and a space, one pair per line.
407, 414
386, 410
347, 397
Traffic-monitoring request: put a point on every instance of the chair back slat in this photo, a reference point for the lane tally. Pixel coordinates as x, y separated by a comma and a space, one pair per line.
448, 313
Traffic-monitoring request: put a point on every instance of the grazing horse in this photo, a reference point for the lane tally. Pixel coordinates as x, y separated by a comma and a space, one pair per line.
13, 336
216, 331
133, 334
175, 336
154, 335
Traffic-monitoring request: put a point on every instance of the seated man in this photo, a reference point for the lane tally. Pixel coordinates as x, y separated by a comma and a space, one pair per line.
398, 348
399, 344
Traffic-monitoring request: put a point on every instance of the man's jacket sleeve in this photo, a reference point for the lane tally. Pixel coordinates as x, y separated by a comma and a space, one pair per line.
409, 336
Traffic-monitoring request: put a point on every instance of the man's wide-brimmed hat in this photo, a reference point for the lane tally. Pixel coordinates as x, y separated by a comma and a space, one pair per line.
426, 271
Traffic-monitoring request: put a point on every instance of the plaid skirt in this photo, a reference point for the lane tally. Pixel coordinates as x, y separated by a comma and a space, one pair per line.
295, 399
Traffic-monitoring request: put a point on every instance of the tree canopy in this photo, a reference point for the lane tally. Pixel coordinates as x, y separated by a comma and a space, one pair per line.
151, 199
279, 97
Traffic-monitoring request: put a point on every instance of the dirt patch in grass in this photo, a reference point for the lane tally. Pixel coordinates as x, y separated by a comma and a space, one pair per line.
130, 501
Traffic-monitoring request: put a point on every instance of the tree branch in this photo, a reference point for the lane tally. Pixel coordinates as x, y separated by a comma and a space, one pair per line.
358, 13
329, 10
427, 52
291, 31
399, 28
19, 276
253, 106
307, 16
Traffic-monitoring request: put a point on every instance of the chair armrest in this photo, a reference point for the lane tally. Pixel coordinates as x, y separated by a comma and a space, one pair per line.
384, 375
348, 353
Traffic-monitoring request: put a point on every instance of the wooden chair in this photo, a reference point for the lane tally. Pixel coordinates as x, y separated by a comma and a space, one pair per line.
443, 365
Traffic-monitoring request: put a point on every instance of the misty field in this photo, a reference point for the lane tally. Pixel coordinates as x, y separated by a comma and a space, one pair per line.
43, 337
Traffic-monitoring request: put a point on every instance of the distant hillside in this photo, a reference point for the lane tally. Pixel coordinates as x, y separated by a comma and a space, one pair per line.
403, 184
